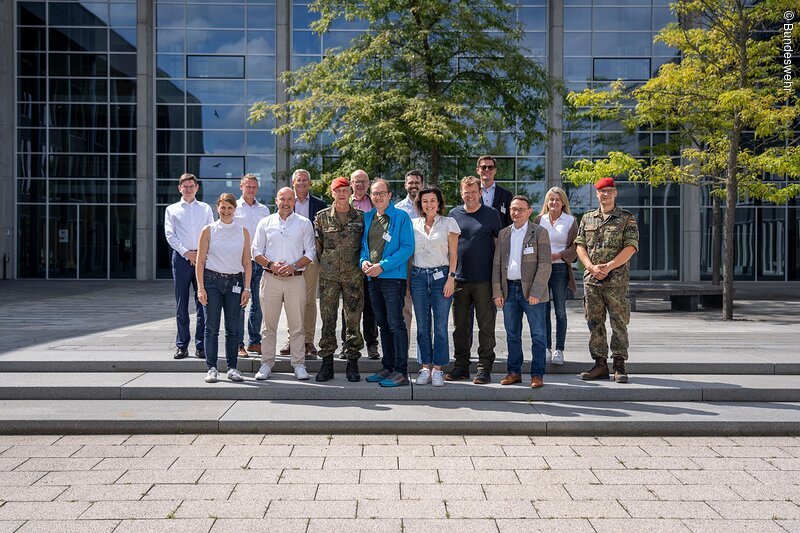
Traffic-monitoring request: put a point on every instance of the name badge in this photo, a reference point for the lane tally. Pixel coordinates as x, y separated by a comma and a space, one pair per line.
236, 289
503, 209
387, 237
529, 250
438, 274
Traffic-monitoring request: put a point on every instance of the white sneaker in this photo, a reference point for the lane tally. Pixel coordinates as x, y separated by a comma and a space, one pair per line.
558, 357
211, 377
263, 373
235, 375
424, 376
437, 378
548, 355
300, 372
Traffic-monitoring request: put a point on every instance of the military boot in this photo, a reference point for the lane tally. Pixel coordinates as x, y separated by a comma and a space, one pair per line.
598, 371
326, 370
620, 376
351, 372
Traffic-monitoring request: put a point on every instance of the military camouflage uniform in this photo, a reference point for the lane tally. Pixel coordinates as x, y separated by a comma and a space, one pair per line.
603, 240
338, 250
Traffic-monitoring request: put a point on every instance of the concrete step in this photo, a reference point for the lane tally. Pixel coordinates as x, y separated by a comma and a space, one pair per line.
284, 387
151, 361
354, 416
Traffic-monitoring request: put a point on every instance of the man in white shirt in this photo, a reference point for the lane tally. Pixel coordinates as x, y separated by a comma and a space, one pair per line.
183, 222
284, 246
249, 212
413, 184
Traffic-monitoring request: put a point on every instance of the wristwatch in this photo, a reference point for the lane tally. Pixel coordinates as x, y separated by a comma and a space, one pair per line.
452, 274
269, 265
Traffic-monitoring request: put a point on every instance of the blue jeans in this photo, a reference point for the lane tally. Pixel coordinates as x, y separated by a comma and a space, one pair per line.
558, 296
515, 305
254, 321
183, 277
388, 296
427, 295
219, 288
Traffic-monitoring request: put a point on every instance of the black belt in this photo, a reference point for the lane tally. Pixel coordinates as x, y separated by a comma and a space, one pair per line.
295, 273
236, 275
517, 281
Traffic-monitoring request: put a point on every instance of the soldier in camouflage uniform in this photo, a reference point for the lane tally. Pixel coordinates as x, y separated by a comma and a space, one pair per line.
339, 229
607, 239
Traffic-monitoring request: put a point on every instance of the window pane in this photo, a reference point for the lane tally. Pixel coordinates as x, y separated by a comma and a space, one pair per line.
122, 166
62, 226
31, 14
629, 69
31, 64
123, 241
261, 67
170, 117
215, 92
31, 253
93, 243
78, 166
533, 18
123, 141
170, 66
32, 39
123, 192
123, 66
215, 67
306, 42
123, 91
170, 167
79, 191
123, 40
78, 140
577, 18
622, 18
123, 116
216, 117
260, 142
170, 41
169, 142
578, 44
214, 142
170, 16
31, 191
260, 42
78, 14
621, 44
78, 90
170, 92
261, 17
123, 15
214, 16
31, 165
79, 39
214, 42
215, 167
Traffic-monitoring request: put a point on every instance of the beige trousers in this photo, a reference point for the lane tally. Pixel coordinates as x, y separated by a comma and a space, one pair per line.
311, 275
289, 293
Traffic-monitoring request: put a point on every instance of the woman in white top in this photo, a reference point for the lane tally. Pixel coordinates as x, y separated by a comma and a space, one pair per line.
432, 282
223, 272
560, 224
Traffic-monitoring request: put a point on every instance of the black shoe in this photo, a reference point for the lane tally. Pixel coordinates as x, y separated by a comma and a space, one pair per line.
326, 370
620, 376
351, 372
482, 377
372, 352
181, 353
200, 353
457, 374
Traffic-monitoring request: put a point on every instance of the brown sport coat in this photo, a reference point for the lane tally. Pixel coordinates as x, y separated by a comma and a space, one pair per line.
536, 266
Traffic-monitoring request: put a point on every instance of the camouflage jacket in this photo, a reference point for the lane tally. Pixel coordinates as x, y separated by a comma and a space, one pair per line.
604, 239
339, 245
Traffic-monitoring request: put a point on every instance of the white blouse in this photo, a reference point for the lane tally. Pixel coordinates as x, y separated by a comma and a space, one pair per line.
431, 249
225, 247
558, 232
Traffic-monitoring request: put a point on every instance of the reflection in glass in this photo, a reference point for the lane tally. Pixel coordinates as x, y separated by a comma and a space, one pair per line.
78, 14
31, 191
31, 242
624, 44
78, 90
215, 66
260, 67
640, 263
78, 191
63, 230
123, 14
78, 140
629, 69
78, 166
170, 167
78, 39
31, 64
31, 165
216, 117
93, 241
215, 142
170, 117
123, 192
123, 66
622, 19
170, 15
170, 92
214, 16
306, 42
170, 66
260, 142
215, 92
215, 167
122, 166
215, 42
122, 242
82, 65
31, 14
169, 141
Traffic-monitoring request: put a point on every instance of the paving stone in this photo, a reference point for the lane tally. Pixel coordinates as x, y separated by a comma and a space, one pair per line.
580, 509
161, 476
581, 463
466, 451
10, 526
42, 510
112, 451
733, 463
779, 441
67, 526
263, 493
792, 526
540, 450
509, 463
763, 452
360, 463
693, 493
99, 477
400, 509
62, 464
739, 526
30, 494
92, 440
544, 525
349, 492
18, 478
345, 525
470, 477
526, 492
307, 440
633, 440
785, 464
440, 492
497, 440
714, 477
615, 525
700, 441
28, 440
637, 477
779, 477
343, 440
401, 450
609, 450
564, 440
209, 440
40, 451
217, 463
135, 463
323, 476
126, 510
172, 450
429, 440
282, 525
239, 475
555, 477
609, 492
670, 509
757, 510
661, 463
399, 476
255, 450
158, 439
205, 491
315, 509
165, 525
10, 463
221, 509
680, 451
286, 463
96, 493
436, 463
352, 450
490, 509
759, 491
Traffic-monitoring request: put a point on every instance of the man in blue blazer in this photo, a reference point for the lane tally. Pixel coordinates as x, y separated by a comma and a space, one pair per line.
493, 194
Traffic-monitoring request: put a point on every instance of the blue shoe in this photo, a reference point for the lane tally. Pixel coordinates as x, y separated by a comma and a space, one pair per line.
379, 376
395, 379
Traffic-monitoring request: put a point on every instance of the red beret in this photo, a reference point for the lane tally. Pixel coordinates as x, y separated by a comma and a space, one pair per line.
339, 182
603, 183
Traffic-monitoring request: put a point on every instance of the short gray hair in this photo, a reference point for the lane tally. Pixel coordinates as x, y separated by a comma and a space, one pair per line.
300, 171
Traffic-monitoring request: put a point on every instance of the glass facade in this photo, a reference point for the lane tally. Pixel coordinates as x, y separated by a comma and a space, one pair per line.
75, 139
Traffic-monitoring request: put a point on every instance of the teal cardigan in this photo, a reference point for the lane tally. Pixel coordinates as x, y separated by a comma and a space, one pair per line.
397, 251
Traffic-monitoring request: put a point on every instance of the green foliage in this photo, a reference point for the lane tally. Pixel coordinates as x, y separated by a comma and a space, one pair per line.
429, 79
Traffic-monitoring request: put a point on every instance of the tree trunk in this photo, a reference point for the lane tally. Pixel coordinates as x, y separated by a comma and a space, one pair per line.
731, 197
433, 179
716, 239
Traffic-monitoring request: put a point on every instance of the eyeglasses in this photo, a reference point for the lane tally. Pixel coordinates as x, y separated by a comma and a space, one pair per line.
487, 167
380, 194
607, 190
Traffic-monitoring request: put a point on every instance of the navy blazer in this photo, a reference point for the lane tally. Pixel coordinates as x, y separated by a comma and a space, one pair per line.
502, 203
315, 205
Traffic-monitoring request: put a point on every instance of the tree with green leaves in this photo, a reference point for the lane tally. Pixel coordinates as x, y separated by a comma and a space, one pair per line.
428, 80
733, 122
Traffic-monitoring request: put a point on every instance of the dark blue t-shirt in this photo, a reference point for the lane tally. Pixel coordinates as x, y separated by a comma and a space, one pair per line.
476, 242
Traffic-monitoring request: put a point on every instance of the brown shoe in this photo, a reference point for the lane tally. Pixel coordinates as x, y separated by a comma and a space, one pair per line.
536, 382
311, 349
243, 352
255, 348
620, 376
510, 379
598, 371
287, 349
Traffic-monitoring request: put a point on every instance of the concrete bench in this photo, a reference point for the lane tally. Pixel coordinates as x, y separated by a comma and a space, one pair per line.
682, 296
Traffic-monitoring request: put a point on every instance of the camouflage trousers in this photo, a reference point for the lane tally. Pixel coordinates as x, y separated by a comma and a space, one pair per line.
352, 294
596, 301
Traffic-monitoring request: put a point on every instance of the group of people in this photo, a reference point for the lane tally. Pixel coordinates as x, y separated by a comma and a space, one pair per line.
387, 262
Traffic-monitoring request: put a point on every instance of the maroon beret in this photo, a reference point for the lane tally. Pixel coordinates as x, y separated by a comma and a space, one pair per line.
603, 183
339, 182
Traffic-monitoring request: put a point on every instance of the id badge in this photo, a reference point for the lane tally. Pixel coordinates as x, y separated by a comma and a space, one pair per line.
236, 289
529, 250
387, 237
438, 274
503, 209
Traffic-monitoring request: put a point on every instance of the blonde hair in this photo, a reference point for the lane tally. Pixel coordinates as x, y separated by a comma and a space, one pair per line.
564, 200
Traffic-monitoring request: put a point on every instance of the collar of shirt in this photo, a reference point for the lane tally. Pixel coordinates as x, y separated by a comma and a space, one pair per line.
490, 188
523, 229
298, 200
185, 203
242, 203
